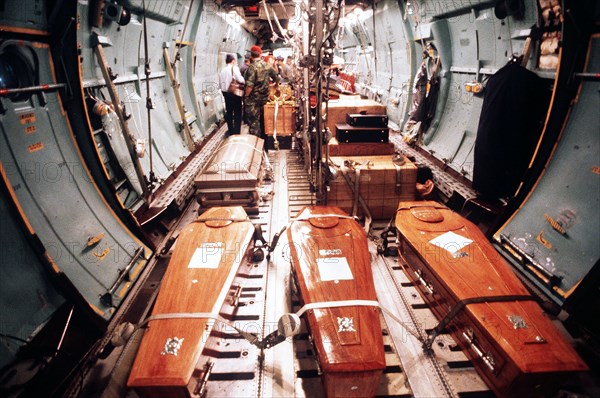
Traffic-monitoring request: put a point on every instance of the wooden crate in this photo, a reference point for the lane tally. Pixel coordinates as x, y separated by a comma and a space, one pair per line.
382, 184
360, 148
286, 119
350, 104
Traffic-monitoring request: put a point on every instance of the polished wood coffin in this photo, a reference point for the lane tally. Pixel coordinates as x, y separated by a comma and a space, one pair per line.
205, 260
504, 332
331, 262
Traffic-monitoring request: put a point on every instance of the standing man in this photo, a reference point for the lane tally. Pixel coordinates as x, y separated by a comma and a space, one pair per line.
257, 91
233, 103
287, 71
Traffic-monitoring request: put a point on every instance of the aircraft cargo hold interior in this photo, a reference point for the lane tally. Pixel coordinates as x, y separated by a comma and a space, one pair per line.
299, 198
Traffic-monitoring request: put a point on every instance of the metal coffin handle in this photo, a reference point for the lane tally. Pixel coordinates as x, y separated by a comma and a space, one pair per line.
487, 358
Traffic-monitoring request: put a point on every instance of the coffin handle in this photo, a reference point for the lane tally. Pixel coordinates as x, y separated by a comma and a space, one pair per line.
200, 389
487, 358
425, 284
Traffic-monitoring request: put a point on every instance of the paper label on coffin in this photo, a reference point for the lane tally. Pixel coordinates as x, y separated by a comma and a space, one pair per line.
451, 242
208, 255
334, 269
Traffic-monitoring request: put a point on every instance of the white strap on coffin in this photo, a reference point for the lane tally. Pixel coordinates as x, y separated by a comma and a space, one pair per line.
357, 303
199, 315
335, 304
299, 313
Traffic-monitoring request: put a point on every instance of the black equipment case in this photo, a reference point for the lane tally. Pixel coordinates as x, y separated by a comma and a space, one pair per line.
346, 133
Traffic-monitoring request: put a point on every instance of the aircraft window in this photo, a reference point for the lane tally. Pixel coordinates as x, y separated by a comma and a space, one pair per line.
15, 72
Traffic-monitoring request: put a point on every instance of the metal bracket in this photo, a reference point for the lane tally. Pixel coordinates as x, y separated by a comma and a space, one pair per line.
200, 389
235, 298
107, 298
287, 326
98, 40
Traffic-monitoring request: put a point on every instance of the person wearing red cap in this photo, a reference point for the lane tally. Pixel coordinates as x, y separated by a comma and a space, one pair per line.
257, 77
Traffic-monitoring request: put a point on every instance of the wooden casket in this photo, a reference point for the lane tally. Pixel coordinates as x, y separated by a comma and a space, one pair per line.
331, 262
381, 184
232, 175
472, 290
205, 260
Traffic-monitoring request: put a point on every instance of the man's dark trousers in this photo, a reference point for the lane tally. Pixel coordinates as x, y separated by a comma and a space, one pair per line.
233, 112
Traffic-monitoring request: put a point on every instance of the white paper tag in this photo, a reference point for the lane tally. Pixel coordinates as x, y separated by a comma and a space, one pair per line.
208, 255
451, 242
334, 268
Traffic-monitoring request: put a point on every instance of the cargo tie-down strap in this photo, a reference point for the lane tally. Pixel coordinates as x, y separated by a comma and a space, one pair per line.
357, 199
288, 325
251, 337
461, 305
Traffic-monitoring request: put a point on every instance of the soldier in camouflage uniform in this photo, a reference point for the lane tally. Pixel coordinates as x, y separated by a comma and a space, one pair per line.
257, 91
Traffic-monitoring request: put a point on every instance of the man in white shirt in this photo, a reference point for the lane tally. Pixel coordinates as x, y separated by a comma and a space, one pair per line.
233, 101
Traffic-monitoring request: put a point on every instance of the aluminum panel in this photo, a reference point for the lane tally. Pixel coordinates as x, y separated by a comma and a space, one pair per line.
27, 15
459, 119
22, 274
168, 140
80, 233
567, 195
